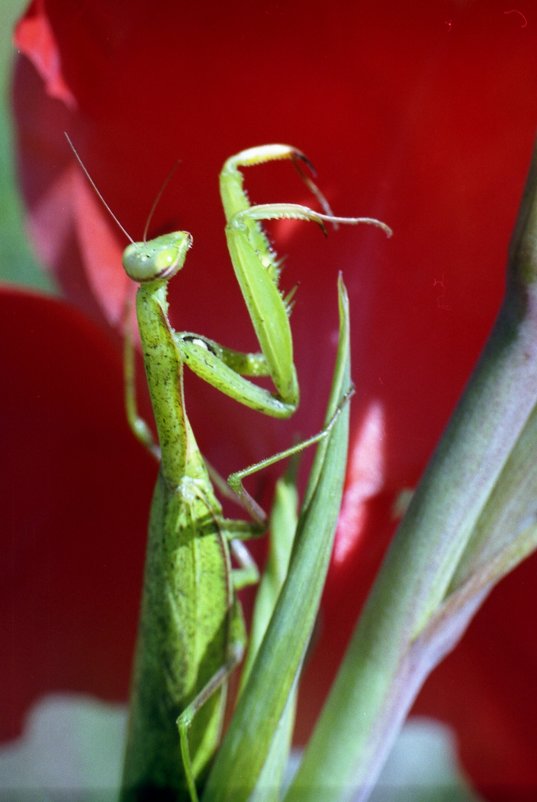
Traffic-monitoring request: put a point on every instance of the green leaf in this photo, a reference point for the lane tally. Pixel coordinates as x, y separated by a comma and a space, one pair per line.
282, 527
247, 743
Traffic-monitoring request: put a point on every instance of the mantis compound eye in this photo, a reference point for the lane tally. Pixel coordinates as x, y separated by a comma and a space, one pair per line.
158, 259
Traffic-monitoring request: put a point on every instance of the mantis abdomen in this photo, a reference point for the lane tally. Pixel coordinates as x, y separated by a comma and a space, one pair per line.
184, 633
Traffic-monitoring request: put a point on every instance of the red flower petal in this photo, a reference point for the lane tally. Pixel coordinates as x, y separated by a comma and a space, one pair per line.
35, 37
77, 489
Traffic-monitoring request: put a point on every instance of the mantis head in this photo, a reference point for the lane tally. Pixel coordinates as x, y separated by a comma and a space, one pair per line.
158, 259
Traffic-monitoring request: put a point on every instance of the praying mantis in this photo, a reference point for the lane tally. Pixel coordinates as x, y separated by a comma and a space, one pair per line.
192, 634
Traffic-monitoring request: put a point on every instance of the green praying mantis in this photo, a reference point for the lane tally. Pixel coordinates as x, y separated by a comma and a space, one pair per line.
192, 633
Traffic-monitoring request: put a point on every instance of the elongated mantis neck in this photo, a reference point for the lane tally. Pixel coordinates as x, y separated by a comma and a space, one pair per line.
164, 372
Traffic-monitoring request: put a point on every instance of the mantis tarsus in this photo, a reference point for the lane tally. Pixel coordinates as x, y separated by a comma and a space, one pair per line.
191, 632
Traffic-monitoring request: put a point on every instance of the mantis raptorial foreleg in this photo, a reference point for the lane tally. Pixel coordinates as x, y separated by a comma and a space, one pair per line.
257, 269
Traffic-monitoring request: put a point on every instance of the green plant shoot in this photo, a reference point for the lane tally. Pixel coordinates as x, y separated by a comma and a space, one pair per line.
191, 633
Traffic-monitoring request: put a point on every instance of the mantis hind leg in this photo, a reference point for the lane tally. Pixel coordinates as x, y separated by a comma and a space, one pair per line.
219, 678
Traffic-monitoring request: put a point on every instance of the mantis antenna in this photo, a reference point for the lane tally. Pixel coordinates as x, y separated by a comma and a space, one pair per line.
154, 204
157, 199
95, 187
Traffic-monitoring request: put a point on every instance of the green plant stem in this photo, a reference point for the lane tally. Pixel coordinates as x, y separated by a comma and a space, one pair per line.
377, 681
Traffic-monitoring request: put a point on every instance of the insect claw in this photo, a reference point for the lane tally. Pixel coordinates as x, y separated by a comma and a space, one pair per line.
298, 157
